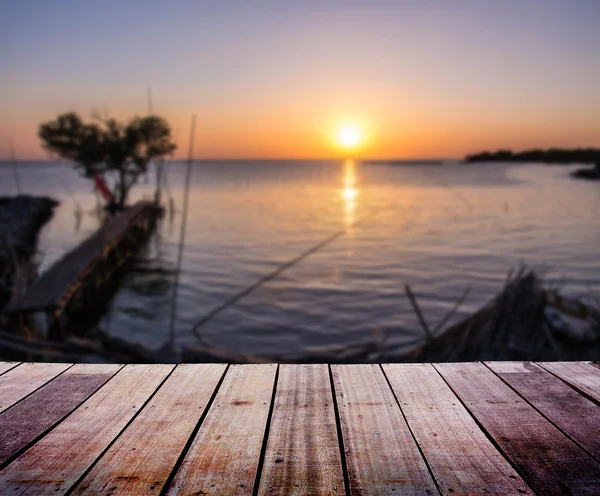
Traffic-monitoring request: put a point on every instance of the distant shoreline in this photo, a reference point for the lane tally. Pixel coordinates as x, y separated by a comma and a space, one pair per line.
553, 156
549, 156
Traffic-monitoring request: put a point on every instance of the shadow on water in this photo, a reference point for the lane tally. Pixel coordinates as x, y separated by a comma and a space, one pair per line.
145, 289
139, 278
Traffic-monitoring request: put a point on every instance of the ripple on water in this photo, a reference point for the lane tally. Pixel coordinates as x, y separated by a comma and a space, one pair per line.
439, 229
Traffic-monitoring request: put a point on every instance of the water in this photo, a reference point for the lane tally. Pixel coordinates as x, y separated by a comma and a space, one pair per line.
440, 229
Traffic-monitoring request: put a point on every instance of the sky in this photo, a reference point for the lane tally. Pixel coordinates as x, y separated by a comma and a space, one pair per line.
276, 79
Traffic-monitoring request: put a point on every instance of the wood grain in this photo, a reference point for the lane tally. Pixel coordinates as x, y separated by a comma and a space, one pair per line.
461, 457
381, 454
582, 376
302, 455
551, 462
74, 429
513, 367
61, 457
52, 286
6, 366
566, 408
223, 458
142, 458
25, 379
28, 419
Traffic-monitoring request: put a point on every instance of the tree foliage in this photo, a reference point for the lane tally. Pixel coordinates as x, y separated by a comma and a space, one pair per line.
120, 152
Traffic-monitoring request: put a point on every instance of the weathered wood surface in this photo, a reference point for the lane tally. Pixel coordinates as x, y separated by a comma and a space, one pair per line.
470, 428
461, 457
6, 366
582, 376
61, 457
142, 458
50, 288
571, 412
23, 380
551, 463
381, 455
223, 458
28, 419
303, 455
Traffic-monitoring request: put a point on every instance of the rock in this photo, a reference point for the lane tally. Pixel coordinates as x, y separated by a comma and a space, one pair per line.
21, 218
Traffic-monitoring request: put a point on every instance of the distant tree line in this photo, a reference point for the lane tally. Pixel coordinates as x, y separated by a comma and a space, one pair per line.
552, 156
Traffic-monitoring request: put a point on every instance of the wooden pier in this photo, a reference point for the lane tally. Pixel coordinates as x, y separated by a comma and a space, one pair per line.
503, 428
80, 273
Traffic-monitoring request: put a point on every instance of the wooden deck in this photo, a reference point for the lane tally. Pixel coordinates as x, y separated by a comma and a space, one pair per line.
503, 428
54, 288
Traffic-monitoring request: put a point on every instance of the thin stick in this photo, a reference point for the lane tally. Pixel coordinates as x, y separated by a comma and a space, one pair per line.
15, 167
183, 225
159, 171
452, 311
245, 292
415, 305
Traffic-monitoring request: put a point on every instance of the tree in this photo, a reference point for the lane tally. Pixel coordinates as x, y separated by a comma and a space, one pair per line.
114, 150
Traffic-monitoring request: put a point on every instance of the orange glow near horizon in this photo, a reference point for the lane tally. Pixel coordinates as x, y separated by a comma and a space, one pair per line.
376, 80
307, 129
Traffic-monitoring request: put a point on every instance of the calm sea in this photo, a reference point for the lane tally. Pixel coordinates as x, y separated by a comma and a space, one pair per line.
440, 229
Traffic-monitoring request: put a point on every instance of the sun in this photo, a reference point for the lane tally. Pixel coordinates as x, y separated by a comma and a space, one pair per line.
349, 136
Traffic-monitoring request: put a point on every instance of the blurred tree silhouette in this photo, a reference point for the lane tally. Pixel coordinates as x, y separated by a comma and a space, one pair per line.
117, 152
551, 156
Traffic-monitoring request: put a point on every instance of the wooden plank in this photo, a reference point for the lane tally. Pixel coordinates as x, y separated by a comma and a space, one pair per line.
461, 457
131, 465
61, 457
381, 454
550, 462
224, 456
24, 422
581, 375
25, 379
302, 454
571, 412
52, 286
513, 367
6, 366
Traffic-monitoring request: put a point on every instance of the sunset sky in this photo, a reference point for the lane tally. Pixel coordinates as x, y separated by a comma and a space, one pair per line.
275, 79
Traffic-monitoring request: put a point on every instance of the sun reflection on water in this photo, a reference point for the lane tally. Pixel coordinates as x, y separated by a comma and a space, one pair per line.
349, 192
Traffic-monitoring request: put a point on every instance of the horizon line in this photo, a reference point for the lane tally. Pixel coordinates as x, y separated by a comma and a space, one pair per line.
262, 159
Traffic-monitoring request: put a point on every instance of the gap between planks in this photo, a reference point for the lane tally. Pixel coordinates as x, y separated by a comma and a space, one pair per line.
582, 376
139, 461
6, 366
19, 382
50, 467
31, 418
332, 390
459, 454
571, 412
549, 461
